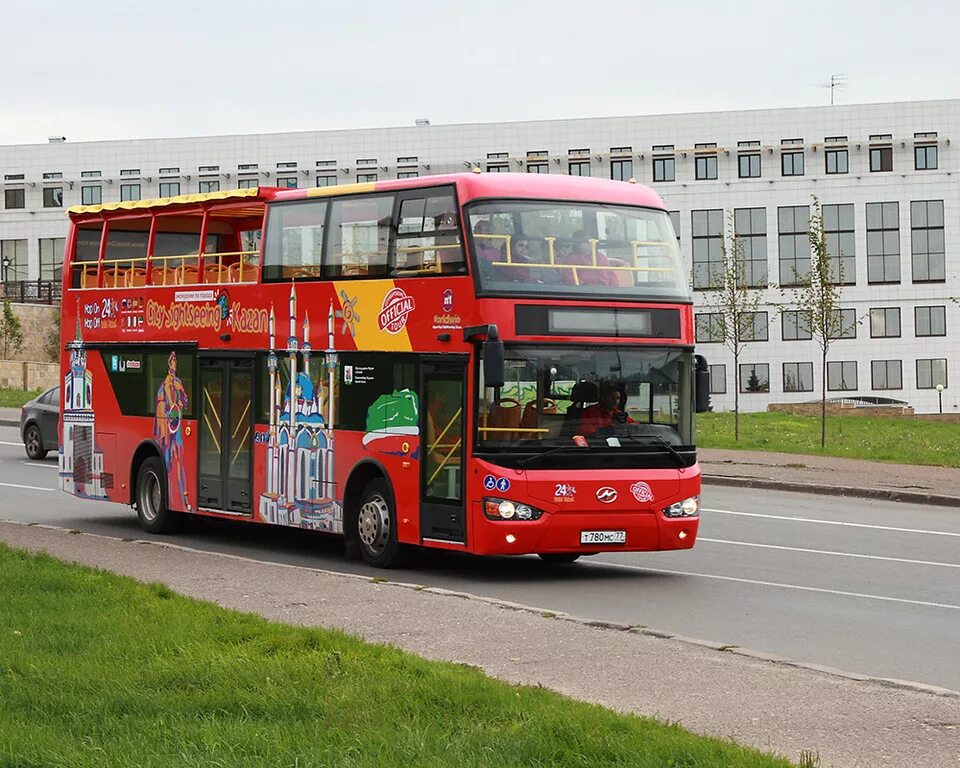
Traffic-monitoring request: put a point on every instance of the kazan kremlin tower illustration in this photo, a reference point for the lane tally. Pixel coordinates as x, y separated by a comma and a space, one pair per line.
300, 489
81, 464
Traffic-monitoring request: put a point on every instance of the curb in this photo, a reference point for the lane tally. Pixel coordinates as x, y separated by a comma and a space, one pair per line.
9, 423
547, 615
914, 497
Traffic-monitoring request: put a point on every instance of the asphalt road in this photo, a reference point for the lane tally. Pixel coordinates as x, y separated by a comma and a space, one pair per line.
864, 586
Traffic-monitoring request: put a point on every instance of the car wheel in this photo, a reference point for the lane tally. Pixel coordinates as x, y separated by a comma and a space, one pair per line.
377, 527
152, 509
559, 558
33, 442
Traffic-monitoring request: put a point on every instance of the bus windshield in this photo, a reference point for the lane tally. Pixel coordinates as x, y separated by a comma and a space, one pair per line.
627, 399
588, 248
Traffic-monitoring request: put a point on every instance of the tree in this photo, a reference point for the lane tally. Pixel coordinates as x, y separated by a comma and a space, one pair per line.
818, 299
11, 332
51, 344
733, 302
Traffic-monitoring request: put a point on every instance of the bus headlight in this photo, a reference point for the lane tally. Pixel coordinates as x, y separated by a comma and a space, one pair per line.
686, 508
503, 509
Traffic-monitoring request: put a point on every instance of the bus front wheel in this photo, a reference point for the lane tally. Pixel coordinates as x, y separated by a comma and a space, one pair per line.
377, 527
152, 509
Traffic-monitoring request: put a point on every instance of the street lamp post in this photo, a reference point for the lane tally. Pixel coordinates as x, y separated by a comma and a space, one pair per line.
6, 265
940, 396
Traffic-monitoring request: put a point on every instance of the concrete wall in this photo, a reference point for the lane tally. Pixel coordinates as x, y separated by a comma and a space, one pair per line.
18, 374
38, 321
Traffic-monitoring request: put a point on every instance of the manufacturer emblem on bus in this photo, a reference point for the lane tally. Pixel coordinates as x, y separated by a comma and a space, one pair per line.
397, 305
606, 495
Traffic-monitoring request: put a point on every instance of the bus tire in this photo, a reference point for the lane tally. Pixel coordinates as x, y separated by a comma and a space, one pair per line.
559, 558
152, 509
376, 530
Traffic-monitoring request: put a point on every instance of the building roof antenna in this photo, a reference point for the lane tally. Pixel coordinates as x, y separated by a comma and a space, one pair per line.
836, 81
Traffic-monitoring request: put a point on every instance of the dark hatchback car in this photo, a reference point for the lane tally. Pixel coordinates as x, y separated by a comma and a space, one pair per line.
38, 423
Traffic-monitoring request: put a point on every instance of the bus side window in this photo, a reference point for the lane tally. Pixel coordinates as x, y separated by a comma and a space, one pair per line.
294, 244
359, 236
428, 235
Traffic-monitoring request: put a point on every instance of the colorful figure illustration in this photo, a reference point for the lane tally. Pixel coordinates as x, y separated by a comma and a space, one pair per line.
170, 407
393, 424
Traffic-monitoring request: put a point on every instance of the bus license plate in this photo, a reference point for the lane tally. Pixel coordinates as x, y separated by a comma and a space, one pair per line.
603, 537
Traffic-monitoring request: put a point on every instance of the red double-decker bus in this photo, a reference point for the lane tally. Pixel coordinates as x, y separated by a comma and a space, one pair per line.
490, 363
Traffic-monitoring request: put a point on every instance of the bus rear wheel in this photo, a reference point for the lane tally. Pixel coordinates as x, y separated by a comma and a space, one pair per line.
377, 527
559, 558
155, 516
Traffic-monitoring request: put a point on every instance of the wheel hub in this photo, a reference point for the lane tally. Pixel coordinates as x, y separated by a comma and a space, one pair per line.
373, 524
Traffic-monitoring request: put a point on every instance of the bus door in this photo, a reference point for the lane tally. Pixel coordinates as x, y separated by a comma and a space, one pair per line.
226, 434
442, 403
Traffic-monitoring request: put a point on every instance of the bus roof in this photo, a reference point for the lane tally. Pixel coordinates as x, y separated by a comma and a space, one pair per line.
471, 186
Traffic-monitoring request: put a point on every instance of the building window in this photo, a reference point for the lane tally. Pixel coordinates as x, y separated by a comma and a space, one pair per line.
706, 167
13, 253
798, 377
930, 321
881, 159
841, 243
362, 178
294, 165
329, 180
791, 164
250, 166
208, 168
932, 372
750, 225
883, 242
709, 327
926, 241
793, 227
14, 198
51, 257
91, 195
129, 192
247, 183
755, 377
538, 168
885, 323
718, 379
579, 167
925, 158
53, 197
407, 174
13, 177
290, 182
52, 175
129, 171
795, 325
537, 161
755, 326
209, 186
837, 161
842, 376
169, 171
749, 166
845, 324
621, 170
886, 374
169, 188
406, 160
89, 174
707, 229
664, 169
497, 168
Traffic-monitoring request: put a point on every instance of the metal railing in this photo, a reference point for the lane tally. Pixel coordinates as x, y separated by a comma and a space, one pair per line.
31, 291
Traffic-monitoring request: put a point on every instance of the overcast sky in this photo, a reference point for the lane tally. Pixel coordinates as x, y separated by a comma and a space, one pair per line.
105, 70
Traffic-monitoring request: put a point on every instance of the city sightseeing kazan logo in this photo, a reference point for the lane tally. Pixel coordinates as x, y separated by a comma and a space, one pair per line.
397, 305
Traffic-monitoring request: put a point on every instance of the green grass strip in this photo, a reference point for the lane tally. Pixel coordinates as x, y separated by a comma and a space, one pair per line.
898, 441
100, 670
14, 398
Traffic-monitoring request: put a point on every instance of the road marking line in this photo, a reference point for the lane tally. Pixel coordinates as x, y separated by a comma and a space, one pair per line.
829, 552
39, 466
28, 487
4, 442
833, 522
776, 584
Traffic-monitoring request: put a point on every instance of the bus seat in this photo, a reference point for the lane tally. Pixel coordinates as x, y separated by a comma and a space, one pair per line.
114, 277
186, 274
505, 417
583, 392
162, 276
215, 273
136, 276
88, 277
531, 420
624, 278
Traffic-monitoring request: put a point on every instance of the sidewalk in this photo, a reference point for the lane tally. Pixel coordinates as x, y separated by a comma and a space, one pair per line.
9, 417
764, 702
826, 474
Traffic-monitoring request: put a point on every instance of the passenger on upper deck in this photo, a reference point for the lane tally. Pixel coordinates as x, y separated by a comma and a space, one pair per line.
582, 254
487, 251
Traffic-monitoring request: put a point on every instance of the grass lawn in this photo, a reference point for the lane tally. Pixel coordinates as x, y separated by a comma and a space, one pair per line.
99, 670
901, 441
14, 398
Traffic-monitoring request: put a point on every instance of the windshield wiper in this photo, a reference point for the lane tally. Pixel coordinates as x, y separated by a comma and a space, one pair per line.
681, 462
524, 462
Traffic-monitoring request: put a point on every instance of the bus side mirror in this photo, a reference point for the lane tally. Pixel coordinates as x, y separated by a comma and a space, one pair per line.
701, 385
493, 363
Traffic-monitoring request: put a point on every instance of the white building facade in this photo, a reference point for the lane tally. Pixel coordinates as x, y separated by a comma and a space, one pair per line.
887, 176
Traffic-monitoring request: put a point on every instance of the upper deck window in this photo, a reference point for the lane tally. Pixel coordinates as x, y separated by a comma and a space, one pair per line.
590, 249
428, 234
295, 240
